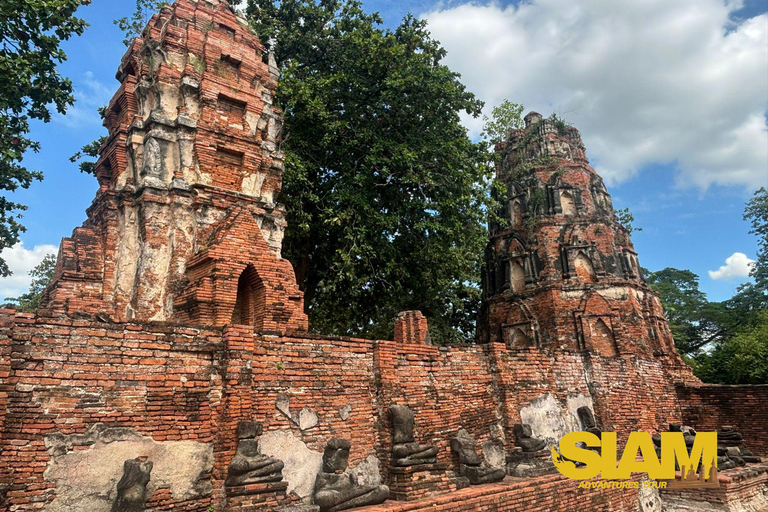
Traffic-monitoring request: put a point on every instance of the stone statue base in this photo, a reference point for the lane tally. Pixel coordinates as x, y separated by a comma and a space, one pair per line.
414, 482
261, 496
529, 464
478, 475
257, 488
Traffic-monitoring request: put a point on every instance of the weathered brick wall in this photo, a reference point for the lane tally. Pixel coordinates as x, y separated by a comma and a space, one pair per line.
6, 325
323, 375
710, 406
174, 383
68, 375
616, 386
445, 387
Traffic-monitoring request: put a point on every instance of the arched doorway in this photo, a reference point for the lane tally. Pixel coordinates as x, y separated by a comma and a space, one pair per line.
251, 299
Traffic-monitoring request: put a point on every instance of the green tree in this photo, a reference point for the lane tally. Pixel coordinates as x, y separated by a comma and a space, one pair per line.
504, 118
726, 342
742, 359
753, 297
386, 195
30, 86
694, 321
133, 25
41, 275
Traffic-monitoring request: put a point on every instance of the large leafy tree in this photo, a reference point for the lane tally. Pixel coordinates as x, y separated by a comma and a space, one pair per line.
386, 194
754, 296
694, 321
31, 32
741, 359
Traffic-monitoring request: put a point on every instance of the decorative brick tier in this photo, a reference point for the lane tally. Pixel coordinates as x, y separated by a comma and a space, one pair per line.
252, 497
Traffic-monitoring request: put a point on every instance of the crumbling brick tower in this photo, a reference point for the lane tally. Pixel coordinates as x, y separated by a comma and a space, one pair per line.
185, 226
561, 273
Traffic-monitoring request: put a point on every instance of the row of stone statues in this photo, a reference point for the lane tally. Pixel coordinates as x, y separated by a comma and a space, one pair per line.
335, 488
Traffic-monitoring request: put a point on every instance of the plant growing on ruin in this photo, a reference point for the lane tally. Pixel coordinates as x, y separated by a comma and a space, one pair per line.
625, 218
504, 118
30, 88
560, 123
537, 203
133, 25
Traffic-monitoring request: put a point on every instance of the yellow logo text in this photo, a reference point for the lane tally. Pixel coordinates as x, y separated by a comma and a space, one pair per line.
639, 455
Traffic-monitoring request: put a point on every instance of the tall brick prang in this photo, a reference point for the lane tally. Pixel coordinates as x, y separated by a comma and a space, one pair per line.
561, 272
186, 225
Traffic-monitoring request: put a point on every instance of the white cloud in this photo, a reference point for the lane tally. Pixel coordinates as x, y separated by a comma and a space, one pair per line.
21, 260
736, 265
90, 94
648, 81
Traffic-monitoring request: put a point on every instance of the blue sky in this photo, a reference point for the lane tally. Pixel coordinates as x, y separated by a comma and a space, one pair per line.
670, 98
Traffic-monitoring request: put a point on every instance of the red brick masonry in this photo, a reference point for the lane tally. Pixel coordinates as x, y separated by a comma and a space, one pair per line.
175, 382
173, 315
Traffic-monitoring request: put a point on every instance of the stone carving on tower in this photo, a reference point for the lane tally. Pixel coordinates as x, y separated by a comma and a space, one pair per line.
185, 225
561, 272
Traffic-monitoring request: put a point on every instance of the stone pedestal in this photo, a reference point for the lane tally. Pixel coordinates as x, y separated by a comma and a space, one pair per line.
529, 464
413, 482
262, 496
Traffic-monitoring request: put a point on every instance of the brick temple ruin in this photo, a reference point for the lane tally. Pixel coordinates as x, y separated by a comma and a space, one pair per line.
169, 366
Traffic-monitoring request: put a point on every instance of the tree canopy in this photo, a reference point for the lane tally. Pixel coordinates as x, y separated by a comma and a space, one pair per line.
754, 296
30, 86
386, 194
694, 321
